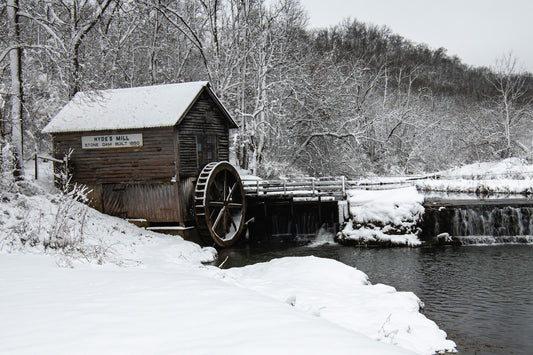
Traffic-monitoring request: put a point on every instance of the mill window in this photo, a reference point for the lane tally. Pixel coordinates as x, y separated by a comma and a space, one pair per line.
206, 149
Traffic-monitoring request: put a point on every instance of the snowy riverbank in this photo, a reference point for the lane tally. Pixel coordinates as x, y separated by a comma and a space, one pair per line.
389, 217
286, 306
115, 288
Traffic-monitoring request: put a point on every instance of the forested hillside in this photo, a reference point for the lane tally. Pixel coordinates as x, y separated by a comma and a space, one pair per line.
354, 99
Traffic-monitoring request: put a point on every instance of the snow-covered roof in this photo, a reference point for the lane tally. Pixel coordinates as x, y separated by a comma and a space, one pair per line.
130, 108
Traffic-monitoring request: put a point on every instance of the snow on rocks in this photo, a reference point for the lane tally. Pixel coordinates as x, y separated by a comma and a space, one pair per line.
383, 217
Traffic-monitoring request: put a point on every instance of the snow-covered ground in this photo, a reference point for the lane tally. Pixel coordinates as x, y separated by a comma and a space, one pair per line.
508, 176
511, 168
484, 188
115, 288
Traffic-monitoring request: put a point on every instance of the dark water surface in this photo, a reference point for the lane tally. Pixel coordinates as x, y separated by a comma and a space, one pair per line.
482, 296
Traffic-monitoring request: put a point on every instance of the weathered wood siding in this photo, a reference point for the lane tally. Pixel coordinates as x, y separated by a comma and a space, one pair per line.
204, 118
137, 182
153, 202
152, 163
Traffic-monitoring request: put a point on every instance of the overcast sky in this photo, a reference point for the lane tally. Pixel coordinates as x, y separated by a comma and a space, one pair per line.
477, 31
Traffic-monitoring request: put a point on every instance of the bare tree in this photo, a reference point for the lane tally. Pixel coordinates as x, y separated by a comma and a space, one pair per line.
67, 24
508, 78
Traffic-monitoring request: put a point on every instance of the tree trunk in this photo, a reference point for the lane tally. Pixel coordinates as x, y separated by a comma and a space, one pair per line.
74, 71
78, 34
16, 89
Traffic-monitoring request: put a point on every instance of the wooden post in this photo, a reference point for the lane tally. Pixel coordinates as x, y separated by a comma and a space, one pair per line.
178, 188
343, 186
36, 168
65, 160
319, 211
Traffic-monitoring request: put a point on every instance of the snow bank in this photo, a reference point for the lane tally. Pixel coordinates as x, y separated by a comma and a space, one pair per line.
181, 309
508, 176
479, 187
341, 294
29, 218
287, 306
511, 168
383, 216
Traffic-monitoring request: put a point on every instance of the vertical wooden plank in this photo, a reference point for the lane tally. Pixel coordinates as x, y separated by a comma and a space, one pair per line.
177, 180
95, 197
113, 201
177, 162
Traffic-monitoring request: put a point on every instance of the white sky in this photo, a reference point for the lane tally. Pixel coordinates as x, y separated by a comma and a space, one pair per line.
477, 31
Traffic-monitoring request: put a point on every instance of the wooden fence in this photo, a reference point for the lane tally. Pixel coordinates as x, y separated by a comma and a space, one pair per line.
328, 187
334, 188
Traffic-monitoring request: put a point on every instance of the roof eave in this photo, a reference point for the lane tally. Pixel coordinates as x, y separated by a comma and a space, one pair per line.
105, 129
222, 108
225, 113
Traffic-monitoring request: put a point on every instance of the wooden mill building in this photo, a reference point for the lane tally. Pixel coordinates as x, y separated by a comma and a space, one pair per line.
141, 150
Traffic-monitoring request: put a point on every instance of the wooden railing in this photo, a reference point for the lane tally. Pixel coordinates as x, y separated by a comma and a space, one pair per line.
36, 158
332, 187
306, 187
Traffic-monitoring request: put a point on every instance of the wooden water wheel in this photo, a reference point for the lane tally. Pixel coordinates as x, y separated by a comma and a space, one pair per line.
219, 204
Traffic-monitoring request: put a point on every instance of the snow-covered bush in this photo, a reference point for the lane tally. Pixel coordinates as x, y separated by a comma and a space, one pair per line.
33, 218
67, 229
7, 166
271, 169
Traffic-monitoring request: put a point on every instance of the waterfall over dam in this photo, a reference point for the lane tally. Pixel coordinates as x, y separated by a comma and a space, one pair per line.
480, 221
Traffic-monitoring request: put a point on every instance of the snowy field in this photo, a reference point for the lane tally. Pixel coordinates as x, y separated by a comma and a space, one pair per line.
508, 176
115, 288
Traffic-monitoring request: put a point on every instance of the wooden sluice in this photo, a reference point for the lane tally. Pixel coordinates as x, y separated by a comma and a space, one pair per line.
283, 210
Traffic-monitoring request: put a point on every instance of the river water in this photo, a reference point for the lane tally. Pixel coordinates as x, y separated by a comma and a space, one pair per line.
482, 296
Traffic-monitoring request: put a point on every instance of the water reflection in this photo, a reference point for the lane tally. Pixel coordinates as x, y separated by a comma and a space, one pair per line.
481, 296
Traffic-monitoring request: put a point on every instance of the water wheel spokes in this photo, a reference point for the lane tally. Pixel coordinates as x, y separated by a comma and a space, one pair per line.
219, 204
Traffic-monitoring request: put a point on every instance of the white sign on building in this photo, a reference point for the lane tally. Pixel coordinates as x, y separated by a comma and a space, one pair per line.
112, 141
